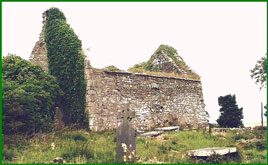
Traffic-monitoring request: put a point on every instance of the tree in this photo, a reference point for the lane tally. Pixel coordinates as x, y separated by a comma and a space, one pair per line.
29, 96
66, 63
259, 72
231, 116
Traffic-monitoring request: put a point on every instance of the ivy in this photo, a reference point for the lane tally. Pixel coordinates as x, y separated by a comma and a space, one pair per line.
66, 63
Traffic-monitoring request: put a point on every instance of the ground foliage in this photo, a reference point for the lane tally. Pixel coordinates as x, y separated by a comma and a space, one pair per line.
29, 96
80, 146
66, 63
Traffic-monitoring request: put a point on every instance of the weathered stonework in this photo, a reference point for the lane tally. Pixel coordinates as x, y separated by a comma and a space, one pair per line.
39, 53
157, 101
161, 61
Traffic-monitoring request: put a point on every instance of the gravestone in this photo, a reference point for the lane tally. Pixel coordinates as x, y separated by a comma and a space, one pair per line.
126, 136
59, 120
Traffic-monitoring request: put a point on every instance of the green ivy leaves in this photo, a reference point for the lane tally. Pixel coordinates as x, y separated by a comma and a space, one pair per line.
66, 63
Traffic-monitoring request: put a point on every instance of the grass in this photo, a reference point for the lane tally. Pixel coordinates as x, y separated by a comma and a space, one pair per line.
80, 146
150, 69
190, 76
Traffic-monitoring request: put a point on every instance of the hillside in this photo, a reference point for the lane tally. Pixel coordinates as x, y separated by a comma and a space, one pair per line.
166, 62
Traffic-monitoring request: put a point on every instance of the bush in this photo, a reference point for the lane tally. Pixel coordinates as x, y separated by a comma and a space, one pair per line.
66, 63
29, 96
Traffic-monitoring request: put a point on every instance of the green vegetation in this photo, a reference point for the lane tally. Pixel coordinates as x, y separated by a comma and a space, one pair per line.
79, 146
66, 63
74, 146
259, 72
111, 68
149, 68
170, 52
231, 116
28, 97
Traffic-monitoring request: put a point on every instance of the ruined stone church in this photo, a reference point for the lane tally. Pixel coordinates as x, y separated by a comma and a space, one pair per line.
157, 100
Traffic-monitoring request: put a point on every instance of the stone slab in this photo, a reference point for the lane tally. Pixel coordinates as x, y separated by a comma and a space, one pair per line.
205, 152
151, 134
175, 128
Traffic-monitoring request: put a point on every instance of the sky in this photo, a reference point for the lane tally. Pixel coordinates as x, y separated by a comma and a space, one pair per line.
221, 41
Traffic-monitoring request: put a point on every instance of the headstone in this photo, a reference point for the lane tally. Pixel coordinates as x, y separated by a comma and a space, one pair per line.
126, 136
59, 120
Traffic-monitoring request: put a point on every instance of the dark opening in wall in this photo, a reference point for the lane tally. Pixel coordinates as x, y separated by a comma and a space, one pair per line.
155, 88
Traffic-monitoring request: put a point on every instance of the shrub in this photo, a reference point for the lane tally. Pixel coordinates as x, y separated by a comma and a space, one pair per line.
66, 63
29, 96
111, 68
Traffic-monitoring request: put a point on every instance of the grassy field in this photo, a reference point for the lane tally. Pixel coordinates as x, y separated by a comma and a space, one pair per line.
80, 146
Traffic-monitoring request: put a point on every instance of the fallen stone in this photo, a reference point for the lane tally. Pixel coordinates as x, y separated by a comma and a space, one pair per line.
175, 128
139, 131
58, 160
211, 151
151, 134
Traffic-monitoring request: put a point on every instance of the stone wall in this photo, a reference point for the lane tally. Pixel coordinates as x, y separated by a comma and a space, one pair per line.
39, 53
157, 101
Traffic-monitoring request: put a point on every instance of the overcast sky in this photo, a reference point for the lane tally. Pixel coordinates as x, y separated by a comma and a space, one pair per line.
221, 41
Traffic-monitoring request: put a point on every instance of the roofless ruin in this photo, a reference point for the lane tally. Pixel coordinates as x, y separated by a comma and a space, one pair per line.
163, 91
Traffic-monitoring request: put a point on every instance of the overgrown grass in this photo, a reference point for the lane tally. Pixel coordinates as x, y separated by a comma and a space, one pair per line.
150, 68
173, 149
190, 76
73, 146
80, 146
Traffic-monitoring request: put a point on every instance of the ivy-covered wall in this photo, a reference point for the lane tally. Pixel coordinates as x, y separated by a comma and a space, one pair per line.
66, 63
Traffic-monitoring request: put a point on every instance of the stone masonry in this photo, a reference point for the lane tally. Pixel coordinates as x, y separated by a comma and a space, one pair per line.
157, 101
39, 53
